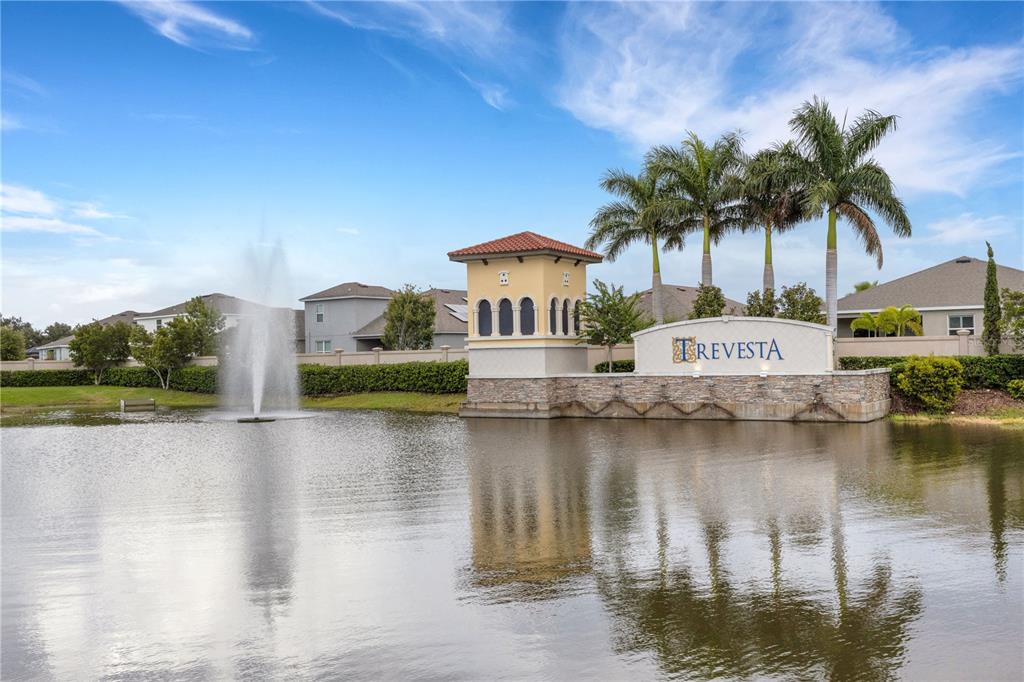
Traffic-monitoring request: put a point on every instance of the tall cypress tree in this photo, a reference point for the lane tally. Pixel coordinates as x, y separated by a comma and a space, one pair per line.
990, 336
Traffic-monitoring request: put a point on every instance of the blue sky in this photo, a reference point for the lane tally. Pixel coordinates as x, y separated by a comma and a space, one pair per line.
144, 144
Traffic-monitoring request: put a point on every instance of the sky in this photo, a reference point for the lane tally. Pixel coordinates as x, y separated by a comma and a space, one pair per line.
147, 146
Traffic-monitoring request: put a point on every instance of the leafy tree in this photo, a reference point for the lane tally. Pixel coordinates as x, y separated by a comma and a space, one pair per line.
1013, 317
710, 302
98, 347
57, 330
608, 317
12, 343
992, 321
637, 217
762, 303
409, 321
832, 164
800, 302
701, 185
165, 350
864, 286
770, 200
32, 336
206, 322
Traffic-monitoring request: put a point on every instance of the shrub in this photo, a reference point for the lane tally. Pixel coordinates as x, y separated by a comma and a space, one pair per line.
1016, 389
195, 379
934, 382
420, 377
617, 366
800, 302
45, 377
710, 302
131, 377
762, 303
993, 371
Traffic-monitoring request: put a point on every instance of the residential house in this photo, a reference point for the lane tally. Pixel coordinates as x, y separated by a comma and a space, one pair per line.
61, 348
950, 296
677, 303
450, 322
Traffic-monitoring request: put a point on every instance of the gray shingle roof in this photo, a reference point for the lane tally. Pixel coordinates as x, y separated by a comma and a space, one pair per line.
126, 316
222, 303
352, 290
677, 300
956, 283
445, 322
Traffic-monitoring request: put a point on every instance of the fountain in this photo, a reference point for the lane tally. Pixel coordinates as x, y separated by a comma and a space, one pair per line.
258, 375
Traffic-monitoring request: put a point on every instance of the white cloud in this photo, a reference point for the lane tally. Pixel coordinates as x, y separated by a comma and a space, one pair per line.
647, 73
493, 94
17, 199
9, 123
11, 223
190, 25
91, 210
23, 85
966, 228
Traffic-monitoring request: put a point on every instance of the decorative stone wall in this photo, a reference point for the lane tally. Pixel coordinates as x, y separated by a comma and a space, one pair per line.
856, 396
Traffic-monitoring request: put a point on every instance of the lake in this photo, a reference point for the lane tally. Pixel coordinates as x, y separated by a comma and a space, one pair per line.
384, 545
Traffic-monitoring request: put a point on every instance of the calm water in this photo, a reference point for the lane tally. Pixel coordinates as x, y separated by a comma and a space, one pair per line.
374, 545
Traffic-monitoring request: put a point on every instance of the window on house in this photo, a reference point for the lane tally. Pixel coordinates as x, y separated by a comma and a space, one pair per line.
159, 323
576, 318
505, 317
527, 317
319, 312
957, 322
553, 317
323, 346
483, 318
565, 317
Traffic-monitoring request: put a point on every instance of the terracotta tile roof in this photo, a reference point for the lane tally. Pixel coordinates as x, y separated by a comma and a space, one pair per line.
523, 243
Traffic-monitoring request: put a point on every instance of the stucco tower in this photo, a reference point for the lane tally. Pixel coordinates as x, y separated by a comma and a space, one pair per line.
524, 293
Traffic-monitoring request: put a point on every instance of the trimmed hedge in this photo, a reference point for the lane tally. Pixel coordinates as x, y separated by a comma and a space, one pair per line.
933, 382
420, 377
993, 371
617, 366
45, 377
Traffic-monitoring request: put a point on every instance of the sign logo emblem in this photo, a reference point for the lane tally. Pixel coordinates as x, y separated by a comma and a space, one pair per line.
684, 349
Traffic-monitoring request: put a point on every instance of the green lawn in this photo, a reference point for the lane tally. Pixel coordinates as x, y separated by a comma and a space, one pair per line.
20, 400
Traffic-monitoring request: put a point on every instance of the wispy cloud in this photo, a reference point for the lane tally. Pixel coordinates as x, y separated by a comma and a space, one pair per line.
191, 25
23, 209
22, 85
966, 228
8, 122
649, 72
494, 94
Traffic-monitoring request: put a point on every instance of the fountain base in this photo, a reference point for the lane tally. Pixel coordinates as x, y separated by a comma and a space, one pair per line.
254, 420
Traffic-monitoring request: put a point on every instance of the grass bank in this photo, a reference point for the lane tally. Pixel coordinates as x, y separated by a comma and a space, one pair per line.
24, 400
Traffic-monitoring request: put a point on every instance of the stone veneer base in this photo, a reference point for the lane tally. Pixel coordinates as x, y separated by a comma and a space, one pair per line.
855, 396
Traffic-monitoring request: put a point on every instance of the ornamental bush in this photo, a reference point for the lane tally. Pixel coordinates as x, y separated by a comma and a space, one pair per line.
1016, 389
993, 371
45, 377
617, 366
933, 382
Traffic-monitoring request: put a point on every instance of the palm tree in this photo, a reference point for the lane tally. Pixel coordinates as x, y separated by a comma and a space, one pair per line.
770, 200
702, 185
842, 181
865, 322
905, 317
636, 217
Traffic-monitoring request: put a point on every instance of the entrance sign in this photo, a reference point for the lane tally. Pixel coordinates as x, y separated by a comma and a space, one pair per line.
734, 345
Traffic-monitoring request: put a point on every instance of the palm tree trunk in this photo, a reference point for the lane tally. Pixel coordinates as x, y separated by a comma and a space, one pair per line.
705, 263
831, 272
659, 312
768, 283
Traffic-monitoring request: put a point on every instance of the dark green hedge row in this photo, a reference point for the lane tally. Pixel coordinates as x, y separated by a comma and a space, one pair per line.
617, 366
45, 377
993, 371
421, 377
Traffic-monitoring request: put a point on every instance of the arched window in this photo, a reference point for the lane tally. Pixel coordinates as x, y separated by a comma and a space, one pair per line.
553, 317
505, 317
527, 317
565, 317
483, 318
576, 318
